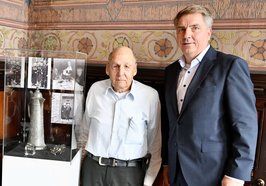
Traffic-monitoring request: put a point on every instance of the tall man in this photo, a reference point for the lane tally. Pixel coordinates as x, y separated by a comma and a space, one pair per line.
210, 108
122, 117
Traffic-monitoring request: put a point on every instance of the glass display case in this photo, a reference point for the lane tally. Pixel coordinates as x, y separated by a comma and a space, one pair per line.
44, 103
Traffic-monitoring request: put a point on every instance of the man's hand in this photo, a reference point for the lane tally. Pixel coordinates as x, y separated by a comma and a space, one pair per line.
230, 182
165, 176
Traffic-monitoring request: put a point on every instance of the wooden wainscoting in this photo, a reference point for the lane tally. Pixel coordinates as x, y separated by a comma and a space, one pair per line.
154, 77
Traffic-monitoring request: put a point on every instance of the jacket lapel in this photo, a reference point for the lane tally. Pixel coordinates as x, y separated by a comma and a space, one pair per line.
205, 66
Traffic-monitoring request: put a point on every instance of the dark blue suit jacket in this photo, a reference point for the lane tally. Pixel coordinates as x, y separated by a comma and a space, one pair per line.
215, 133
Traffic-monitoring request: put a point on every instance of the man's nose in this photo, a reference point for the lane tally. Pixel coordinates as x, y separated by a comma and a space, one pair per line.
187, 33
121, 70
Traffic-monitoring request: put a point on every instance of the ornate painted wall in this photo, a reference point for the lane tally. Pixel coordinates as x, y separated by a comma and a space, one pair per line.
97, 26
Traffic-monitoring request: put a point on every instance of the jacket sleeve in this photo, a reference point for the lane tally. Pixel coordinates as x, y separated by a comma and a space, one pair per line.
241, 105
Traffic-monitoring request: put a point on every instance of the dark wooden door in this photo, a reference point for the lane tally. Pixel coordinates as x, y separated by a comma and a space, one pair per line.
154, 77
259, 171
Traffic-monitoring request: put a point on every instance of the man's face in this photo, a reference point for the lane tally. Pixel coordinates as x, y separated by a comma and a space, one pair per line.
193, 35
121, 70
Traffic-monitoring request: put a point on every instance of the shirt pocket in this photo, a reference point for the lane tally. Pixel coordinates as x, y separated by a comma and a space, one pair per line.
136, 131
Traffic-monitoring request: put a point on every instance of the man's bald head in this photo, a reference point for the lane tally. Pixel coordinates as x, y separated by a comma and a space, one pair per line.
121, 68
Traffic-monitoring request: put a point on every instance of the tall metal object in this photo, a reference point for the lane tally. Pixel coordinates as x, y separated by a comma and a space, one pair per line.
36, 133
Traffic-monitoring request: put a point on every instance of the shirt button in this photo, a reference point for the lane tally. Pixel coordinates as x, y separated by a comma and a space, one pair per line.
181, 100
188, 72
184, 85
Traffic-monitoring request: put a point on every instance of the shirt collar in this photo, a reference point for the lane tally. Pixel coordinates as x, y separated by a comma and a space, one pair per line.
195, 61
130, 94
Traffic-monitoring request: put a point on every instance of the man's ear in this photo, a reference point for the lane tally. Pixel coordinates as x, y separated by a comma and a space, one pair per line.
135, 73
210, 33
107, 70
136, 70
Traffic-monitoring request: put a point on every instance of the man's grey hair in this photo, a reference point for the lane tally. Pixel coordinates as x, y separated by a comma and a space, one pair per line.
192, 10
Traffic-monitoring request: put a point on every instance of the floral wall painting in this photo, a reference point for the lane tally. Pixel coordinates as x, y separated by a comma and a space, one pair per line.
258, 50
96, 27
85, 45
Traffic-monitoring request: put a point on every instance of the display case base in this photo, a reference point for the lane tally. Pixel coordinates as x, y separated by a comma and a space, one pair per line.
41, 172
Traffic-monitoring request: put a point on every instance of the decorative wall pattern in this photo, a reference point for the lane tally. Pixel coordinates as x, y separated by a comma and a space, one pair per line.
139, 10
96, 27
15, 10
12, 38
152, 47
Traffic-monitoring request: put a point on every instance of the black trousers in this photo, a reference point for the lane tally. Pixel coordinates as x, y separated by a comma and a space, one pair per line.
93, 174
180, 180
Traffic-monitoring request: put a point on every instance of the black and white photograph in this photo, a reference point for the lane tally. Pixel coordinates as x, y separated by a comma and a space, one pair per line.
14, 71
62, 108
39, 72
63, 74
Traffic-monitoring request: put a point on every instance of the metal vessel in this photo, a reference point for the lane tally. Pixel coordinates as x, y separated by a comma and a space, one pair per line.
36, 132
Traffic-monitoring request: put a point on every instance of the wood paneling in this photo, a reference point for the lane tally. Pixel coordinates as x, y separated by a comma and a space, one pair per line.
155, 77
259, 171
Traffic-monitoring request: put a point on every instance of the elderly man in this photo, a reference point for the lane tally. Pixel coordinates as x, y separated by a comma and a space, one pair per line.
122, 117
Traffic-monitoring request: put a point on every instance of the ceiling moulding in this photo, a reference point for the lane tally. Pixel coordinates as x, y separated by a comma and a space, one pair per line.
71, 3
240, 24
160, 25
58, 11
156, 25
67, 3
148, 25
14, 24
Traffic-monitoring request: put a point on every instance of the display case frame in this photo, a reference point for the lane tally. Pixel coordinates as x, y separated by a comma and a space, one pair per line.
60, 78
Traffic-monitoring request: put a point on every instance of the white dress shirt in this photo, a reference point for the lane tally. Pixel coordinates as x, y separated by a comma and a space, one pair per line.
126, 126
187, 73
